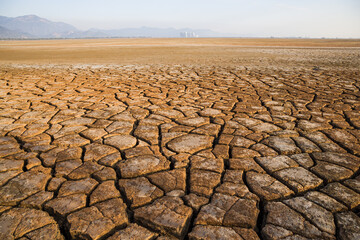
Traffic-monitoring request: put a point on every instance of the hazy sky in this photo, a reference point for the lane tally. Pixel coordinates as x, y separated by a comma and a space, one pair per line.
279, 18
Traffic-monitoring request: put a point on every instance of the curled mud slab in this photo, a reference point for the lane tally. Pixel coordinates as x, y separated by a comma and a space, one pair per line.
174, 152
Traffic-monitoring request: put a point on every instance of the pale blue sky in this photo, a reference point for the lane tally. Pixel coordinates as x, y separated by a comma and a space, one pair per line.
279, 18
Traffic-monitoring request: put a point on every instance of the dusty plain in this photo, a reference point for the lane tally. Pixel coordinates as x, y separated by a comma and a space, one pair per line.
180, 139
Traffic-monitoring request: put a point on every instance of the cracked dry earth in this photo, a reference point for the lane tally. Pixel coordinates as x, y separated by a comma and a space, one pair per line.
158, 152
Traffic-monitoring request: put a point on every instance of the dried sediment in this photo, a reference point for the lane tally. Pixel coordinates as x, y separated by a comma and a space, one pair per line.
179, 152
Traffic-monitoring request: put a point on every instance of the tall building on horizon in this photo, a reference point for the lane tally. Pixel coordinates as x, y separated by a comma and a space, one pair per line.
188, 35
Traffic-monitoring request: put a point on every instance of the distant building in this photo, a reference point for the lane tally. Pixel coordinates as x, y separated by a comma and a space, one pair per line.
188, 35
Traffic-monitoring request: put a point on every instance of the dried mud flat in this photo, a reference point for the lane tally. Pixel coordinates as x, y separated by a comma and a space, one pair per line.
249, 147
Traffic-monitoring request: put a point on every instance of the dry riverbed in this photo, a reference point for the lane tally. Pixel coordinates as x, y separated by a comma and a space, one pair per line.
174, 139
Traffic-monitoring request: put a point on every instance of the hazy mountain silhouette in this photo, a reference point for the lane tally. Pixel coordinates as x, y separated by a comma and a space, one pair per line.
36, 26
32, 26
7, 33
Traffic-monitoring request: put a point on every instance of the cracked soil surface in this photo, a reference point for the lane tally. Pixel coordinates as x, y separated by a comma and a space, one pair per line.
170, 151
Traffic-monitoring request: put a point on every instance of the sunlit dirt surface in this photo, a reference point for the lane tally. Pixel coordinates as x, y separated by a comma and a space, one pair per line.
180, 138
219, 52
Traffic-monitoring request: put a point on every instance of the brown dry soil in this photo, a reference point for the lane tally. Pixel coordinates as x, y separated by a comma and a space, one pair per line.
180, 139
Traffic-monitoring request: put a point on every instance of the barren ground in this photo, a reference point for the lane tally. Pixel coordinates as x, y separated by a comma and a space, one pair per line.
180, 138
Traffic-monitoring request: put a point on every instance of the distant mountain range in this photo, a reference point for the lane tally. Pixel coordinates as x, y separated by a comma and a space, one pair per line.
32, 27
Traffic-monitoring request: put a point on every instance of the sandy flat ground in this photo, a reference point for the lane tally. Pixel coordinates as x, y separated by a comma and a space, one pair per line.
224, 52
